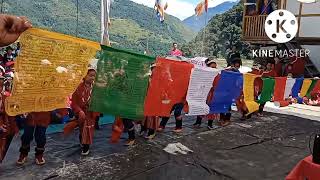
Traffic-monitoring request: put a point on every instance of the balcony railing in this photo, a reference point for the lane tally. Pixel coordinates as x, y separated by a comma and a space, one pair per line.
253, 28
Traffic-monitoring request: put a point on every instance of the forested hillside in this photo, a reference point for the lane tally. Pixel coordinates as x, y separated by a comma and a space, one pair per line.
222, 31
133, 25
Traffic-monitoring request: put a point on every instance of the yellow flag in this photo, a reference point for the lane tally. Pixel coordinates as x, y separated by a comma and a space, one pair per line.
48, 69
248, 92
305, 86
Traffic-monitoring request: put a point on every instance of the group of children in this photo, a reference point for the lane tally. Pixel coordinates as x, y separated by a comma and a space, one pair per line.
85, 120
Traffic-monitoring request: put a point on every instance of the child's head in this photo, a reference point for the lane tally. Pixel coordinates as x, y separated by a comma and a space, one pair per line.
270, 65
236, 63
290, 75
90, 77
211, 63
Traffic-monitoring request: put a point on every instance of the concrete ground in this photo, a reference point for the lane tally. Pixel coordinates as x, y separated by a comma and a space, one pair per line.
260, 148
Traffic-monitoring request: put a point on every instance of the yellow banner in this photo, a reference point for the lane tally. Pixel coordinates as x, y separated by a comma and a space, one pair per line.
48, 69
248, 92
305, 86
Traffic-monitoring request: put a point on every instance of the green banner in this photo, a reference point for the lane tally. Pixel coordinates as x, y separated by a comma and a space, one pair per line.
121, 83
267, 90
313, 84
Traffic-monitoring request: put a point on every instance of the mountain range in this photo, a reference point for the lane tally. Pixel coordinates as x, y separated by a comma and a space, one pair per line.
196, 23
133, 26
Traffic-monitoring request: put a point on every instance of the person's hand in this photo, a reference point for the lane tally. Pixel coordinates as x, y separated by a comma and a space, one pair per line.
82, 115
11, 28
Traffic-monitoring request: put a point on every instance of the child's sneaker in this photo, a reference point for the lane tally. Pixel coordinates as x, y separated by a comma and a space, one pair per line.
40, 160
85, 150
129, 142
210, 127
177, 130
22, 159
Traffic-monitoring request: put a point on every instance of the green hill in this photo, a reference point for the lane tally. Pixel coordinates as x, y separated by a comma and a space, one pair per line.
133, 25
222, 31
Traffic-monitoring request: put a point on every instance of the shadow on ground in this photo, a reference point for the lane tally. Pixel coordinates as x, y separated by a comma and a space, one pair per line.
260, 148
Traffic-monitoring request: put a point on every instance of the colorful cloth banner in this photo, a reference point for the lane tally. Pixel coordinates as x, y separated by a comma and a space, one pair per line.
48, 69
267, 90
280, 86
305, 86
316, 88
121, 83
228, 90
288, 89
248, 92
312, 86
169, 86
199, 86
296, 87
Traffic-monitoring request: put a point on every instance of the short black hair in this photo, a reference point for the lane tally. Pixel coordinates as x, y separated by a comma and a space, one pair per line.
174, 43
9, 48
236, 60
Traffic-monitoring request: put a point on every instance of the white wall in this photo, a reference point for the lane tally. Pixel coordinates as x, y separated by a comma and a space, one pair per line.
310, 27
293, 6
311, 8
314, 54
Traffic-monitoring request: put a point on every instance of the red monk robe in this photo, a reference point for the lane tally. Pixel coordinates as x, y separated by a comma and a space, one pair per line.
9, 130
80, 104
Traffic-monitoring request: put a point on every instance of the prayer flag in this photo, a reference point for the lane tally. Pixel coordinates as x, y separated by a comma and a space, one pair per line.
199, 86
267, 90
48, 69
280, 85
228, 90
168, 86
288, 89
296, 87
121, 83
312, 86
248, 92
305, 86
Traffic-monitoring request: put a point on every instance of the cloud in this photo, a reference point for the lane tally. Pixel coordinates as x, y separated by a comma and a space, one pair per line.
181, 8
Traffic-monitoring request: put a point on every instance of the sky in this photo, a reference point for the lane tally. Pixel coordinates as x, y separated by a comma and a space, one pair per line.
181, 8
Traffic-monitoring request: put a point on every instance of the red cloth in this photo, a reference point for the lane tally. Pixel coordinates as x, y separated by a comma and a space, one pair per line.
305, 169
316, 89
278, 69
42, 119
168, 86
280, 86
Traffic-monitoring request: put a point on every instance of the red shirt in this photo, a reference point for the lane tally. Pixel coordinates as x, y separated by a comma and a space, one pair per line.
175, 52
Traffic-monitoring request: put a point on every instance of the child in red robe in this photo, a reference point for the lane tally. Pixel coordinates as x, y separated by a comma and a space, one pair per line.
8, 127
80, 106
